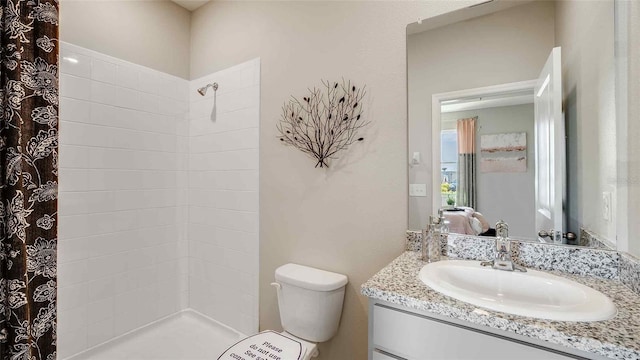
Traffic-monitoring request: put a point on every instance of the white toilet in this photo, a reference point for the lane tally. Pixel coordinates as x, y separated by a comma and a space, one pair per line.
310, 303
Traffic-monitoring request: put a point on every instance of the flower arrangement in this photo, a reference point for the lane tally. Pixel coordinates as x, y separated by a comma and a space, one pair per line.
450, 201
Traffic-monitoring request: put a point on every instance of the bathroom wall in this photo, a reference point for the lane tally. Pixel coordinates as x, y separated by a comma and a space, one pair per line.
299, 44
352, 217
628, 167
632, 181
474, 53
223, 196
151, 33
585, 31
122, 256
504, 196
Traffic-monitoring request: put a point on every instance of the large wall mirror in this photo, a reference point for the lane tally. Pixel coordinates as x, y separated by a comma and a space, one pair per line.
512, 117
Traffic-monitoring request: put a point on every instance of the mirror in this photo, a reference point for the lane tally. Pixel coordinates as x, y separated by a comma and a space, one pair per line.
486, 141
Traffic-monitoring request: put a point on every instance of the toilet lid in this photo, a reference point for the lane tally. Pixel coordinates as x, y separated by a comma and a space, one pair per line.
267, 345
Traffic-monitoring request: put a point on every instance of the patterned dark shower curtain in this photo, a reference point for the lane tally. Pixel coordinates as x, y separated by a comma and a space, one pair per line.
28, 178
466, 191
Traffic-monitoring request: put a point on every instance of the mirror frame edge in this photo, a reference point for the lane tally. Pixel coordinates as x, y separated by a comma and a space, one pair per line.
621, 45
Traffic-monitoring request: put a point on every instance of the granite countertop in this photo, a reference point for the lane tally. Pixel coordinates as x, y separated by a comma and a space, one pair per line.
618, 338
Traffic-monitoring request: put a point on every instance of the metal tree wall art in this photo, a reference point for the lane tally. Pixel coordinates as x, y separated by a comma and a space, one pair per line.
325, 122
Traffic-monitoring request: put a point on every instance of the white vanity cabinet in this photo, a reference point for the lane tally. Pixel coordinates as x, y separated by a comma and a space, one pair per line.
398, 333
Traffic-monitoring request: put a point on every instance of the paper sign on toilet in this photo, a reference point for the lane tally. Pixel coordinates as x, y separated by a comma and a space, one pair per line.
267, 345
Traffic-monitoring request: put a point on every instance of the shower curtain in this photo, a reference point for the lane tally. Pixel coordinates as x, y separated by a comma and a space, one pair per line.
466, 191
28, 178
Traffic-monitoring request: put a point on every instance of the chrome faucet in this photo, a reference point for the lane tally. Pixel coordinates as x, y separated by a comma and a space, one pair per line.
503, 259
444, 228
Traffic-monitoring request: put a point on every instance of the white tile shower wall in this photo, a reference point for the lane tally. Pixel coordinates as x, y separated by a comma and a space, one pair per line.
223, 197
123, 252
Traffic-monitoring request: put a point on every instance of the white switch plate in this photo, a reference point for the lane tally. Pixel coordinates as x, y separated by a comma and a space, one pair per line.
417, 189
606, 206
415, 159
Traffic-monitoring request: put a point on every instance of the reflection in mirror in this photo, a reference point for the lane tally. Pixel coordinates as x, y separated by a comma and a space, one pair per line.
503, 155
491, 143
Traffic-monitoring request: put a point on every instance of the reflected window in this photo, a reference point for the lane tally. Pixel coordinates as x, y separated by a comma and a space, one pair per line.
448, 166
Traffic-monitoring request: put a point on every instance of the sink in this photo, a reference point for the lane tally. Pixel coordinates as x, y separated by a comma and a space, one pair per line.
533, 293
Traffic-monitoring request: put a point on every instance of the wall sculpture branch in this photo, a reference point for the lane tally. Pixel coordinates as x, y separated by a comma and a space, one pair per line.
325, 122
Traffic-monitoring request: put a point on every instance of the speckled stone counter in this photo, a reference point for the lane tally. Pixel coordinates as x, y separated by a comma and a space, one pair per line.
619, 338
579, 260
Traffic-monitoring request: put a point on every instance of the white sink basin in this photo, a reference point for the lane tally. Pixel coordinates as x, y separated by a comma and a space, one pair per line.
533, 293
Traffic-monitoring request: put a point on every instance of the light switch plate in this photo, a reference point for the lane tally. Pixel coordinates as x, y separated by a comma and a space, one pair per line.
415, 159
417, 189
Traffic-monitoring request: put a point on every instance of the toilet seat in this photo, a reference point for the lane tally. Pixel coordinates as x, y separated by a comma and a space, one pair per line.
268, 345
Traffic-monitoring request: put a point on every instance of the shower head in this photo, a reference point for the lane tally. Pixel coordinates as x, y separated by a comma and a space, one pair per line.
203, 90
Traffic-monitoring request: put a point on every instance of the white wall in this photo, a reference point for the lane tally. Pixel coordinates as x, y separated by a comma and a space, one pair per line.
633, 126
122, 232
223, 197
504, 196
478, 52
352, 218
298, 43
152, 33
585, 31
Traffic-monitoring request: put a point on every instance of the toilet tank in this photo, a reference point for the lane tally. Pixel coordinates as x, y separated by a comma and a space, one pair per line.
310, 301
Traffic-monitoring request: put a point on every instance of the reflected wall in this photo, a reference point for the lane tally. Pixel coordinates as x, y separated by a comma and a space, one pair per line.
479, 52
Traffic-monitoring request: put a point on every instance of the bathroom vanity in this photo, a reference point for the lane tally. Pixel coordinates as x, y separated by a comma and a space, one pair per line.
469, 113
408, 320
401, 333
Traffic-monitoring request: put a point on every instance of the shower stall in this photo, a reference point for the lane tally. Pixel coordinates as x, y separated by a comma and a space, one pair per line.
158, 208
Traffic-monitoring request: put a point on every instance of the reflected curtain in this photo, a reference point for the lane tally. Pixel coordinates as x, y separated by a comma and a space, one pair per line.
466, 190
29, 178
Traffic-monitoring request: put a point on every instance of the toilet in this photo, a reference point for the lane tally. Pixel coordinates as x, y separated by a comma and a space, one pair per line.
310, 302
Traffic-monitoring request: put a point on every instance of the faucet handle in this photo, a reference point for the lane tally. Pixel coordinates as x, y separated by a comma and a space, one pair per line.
502, 229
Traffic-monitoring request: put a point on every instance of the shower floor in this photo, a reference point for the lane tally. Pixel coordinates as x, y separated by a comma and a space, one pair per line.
186, 335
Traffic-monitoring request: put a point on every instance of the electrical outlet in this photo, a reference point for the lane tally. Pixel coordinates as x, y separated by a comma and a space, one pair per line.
606, 206
417, 189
